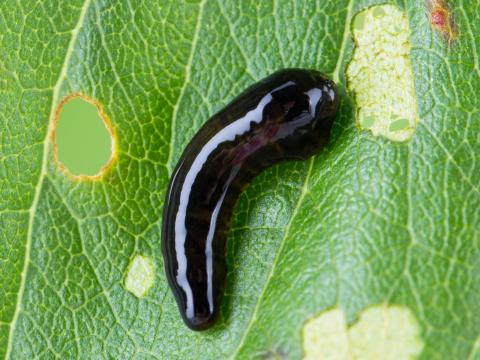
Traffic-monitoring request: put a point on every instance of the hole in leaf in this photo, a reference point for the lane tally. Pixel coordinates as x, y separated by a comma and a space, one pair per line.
83, 139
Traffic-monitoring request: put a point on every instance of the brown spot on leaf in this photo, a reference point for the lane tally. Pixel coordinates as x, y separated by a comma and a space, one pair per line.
442, 20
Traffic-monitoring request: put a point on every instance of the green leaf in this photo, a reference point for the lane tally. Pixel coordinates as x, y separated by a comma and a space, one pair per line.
368, 222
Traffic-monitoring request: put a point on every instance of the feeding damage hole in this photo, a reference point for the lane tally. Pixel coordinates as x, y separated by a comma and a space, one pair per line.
381, 332
380, 73
83, 139
140, 275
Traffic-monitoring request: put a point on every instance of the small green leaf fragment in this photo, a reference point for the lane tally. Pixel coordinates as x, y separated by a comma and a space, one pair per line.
359, 22
140, 275
367, 121
378, 11
398, 125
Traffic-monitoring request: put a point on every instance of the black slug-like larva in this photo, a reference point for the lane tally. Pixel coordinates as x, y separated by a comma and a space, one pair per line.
286, 116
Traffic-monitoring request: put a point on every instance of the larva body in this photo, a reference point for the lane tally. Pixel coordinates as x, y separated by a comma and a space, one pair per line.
286, 116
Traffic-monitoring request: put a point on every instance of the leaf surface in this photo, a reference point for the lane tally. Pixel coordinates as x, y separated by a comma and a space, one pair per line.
366, 222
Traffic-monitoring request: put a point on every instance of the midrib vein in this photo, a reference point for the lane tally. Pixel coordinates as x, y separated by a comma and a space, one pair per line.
43, 171
253, 318
346, 33
185, 83
304, 189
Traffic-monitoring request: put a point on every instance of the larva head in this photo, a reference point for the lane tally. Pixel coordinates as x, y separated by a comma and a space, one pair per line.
302, 111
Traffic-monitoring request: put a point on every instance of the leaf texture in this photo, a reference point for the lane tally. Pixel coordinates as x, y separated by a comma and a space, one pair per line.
366, 222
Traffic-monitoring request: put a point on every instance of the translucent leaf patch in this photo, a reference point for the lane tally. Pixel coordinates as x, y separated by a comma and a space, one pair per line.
140, 275
380, 73
381, 332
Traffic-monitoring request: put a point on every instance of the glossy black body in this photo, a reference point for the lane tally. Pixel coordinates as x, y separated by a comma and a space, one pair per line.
286, 116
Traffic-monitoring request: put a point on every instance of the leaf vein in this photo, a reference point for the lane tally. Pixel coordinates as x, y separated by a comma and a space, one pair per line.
185, 83
43, 171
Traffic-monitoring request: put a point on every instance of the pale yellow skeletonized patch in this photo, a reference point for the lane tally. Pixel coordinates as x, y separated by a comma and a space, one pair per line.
380, 73
382, 332
140, 275
326, 337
